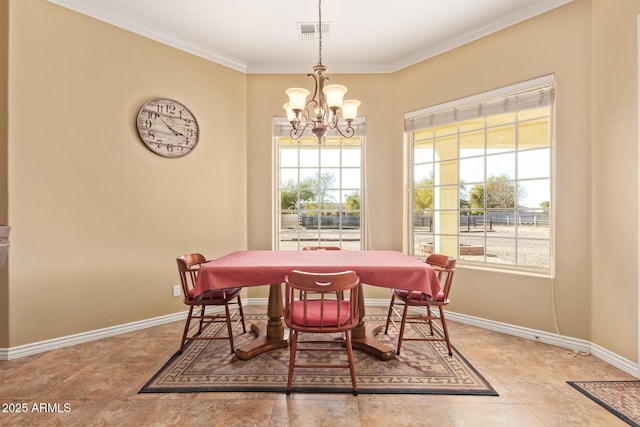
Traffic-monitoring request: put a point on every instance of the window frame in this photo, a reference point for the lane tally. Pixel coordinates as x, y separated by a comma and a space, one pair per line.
281, 130
417, 120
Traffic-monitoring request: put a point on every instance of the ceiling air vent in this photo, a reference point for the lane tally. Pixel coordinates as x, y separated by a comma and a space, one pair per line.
308, 31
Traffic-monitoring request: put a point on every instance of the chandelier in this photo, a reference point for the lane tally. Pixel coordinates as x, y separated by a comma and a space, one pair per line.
321, 111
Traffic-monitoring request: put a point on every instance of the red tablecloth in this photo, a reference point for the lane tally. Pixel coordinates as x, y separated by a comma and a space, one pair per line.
387, 269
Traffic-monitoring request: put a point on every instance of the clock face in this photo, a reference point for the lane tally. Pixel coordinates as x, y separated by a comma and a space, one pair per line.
167, 127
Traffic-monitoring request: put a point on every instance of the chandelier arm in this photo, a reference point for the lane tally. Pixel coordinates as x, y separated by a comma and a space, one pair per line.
297, 132
300, 123
315, 91
348, 132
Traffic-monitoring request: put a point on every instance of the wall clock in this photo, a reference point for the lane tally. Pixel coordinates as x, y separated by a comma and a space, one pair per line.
167, 127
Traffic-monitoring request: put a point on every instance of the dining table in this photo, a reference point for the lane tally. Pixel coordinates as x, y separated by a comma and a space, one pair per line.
381, 268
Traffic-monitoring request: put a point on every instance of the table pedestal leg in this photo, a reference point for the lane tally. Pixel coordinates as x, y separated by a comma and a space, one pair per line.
363, 336
271, 333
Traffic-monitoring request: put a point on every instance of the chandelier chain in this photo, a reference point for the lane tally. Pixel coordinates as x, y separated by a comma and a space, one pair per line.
320, 32
320, 113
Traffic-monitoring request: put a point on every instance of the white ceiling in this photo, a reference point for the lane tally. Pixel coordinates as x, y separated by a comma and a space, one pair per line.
261, 36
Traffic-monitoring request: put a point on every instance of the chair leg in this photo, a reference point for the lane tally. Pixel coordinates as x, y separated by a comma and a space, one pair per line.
352, 368
241, 311
386, 328
293, 347
229, 328
201, 319
186, 329
402, 325
444, 329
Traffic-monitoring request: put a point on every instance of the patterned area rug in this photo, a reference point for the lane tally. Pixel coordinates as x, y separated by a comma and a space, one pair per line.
422, 367
621, 398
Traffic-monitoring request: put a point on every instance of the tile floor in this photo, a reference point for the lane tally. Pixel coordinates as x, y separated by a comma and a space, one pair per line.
97, 383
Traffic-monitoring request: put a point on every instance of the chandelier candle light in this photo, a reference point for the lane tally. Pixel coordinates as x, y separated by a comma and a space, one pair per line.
321, 111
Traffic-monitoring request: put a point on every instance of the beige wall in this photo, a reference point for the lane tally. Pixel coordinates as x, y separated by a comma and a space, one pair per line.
553, 43
79, 176
4, 114
98, 219
614, 321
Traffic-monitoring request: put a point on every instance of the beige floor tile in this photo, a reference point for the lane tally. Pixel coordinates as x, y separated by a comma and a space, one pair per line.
99, 382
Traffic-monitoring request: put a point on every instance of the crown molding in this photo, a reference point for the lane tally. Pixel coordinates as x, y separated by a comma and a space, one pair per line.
123, 22
506, 21
100, 13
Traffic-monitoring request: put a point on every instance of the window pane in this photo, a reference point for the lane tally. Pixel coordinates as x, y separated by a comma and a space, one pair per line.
329, 199
534, 164
471, 247
474, 194
423, 152
309, 157
533, 134
501, 166
474, 223
500, 139
423, 198
472, 124
351, 200
288, 177
534, 113
501, 251
534, 253
472, 170
500, 119
330, 157
422, 241
446, 173
423, 134
446, 148
329, 178
500, 194
534, 194
350, 178
501, 223
423, 174
533, 224
472, 144
309, 176
446, 197
446, 222
288, 158
446, 244
448, 129
351, 157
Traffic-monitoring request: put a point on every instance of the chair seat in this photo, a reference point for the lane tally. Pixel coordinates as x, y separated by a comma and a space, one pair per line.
314, 317
444, 266
214, 295
418, 296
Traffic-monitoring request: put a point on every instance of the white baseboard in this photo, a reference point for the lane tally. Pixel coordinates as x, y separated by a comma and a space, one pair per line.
69, 340
577, 345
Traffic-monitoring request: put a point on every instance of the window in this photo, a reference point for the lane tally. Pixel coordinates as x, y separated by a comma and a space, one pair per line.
481, 178
319, 190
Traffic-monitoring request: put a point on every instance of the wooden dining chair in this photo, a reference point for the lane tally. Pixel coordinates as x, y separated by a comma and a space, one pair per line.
188, 268
312, 306
321, 248
445, 267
